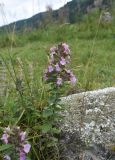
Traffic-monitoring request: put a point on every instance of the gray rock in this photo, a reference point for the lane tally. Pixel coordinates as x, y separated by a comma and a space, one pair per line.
70, 146
106, 17
92, 114
89, 118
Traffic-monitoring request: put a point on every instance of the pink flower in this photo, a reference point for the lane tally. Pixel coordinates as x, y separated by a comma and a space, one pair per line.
59, 81
22, 136
50, 69
68, 71
62, 61
7, 129
53, 49
5, 137
73, 79
66, 48
22, 155
27, 147
57, 67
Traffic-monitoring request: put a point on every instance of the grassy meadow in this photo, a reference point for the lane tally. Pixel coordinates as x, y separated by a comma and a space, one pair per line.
92, 45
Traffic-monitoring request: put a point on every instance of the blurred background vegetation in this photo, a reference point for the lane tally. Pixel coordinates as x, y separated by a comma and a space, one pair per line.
79, 23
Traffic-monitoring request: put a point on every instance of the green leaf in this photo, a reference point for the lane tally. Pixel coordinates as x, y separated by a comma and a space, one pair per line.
56, 131
46, 127
51, 100
5, 147
58, 106
47, 113
37, 114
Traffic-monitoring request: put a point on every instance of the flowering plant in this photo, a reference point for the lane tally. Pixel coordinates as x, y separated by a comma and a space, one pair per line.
57, 72
56, 75
18, 140
41, 119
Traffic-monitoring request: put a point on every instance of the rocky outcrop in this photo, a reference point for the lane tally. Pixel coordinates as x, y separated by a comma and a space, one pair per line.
89, 120
92, 114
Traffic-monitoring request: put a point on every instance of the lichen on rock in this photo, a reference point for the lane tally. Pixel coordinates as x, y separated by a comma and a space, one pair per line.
92, 115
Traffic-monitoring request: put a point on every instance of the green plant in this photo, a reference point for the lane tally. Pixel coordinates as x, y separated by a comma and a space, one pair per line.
36, 109
56, 75
15, 143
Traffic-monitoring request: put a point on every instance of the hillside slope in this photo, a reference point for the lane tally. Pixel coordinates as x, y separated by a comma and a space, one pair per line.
72, 12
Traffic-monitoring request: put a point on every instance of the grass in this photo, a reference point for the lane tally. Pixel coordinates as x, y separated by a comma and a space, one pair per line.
91, 43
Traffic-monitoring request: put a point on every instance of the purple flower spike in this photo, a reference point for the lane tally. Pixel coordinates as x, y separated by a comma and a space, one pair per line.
22, 155
59, 81
18, 138
57, 67
63, 61
27, 147
5, 137
58, 59
50, 69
